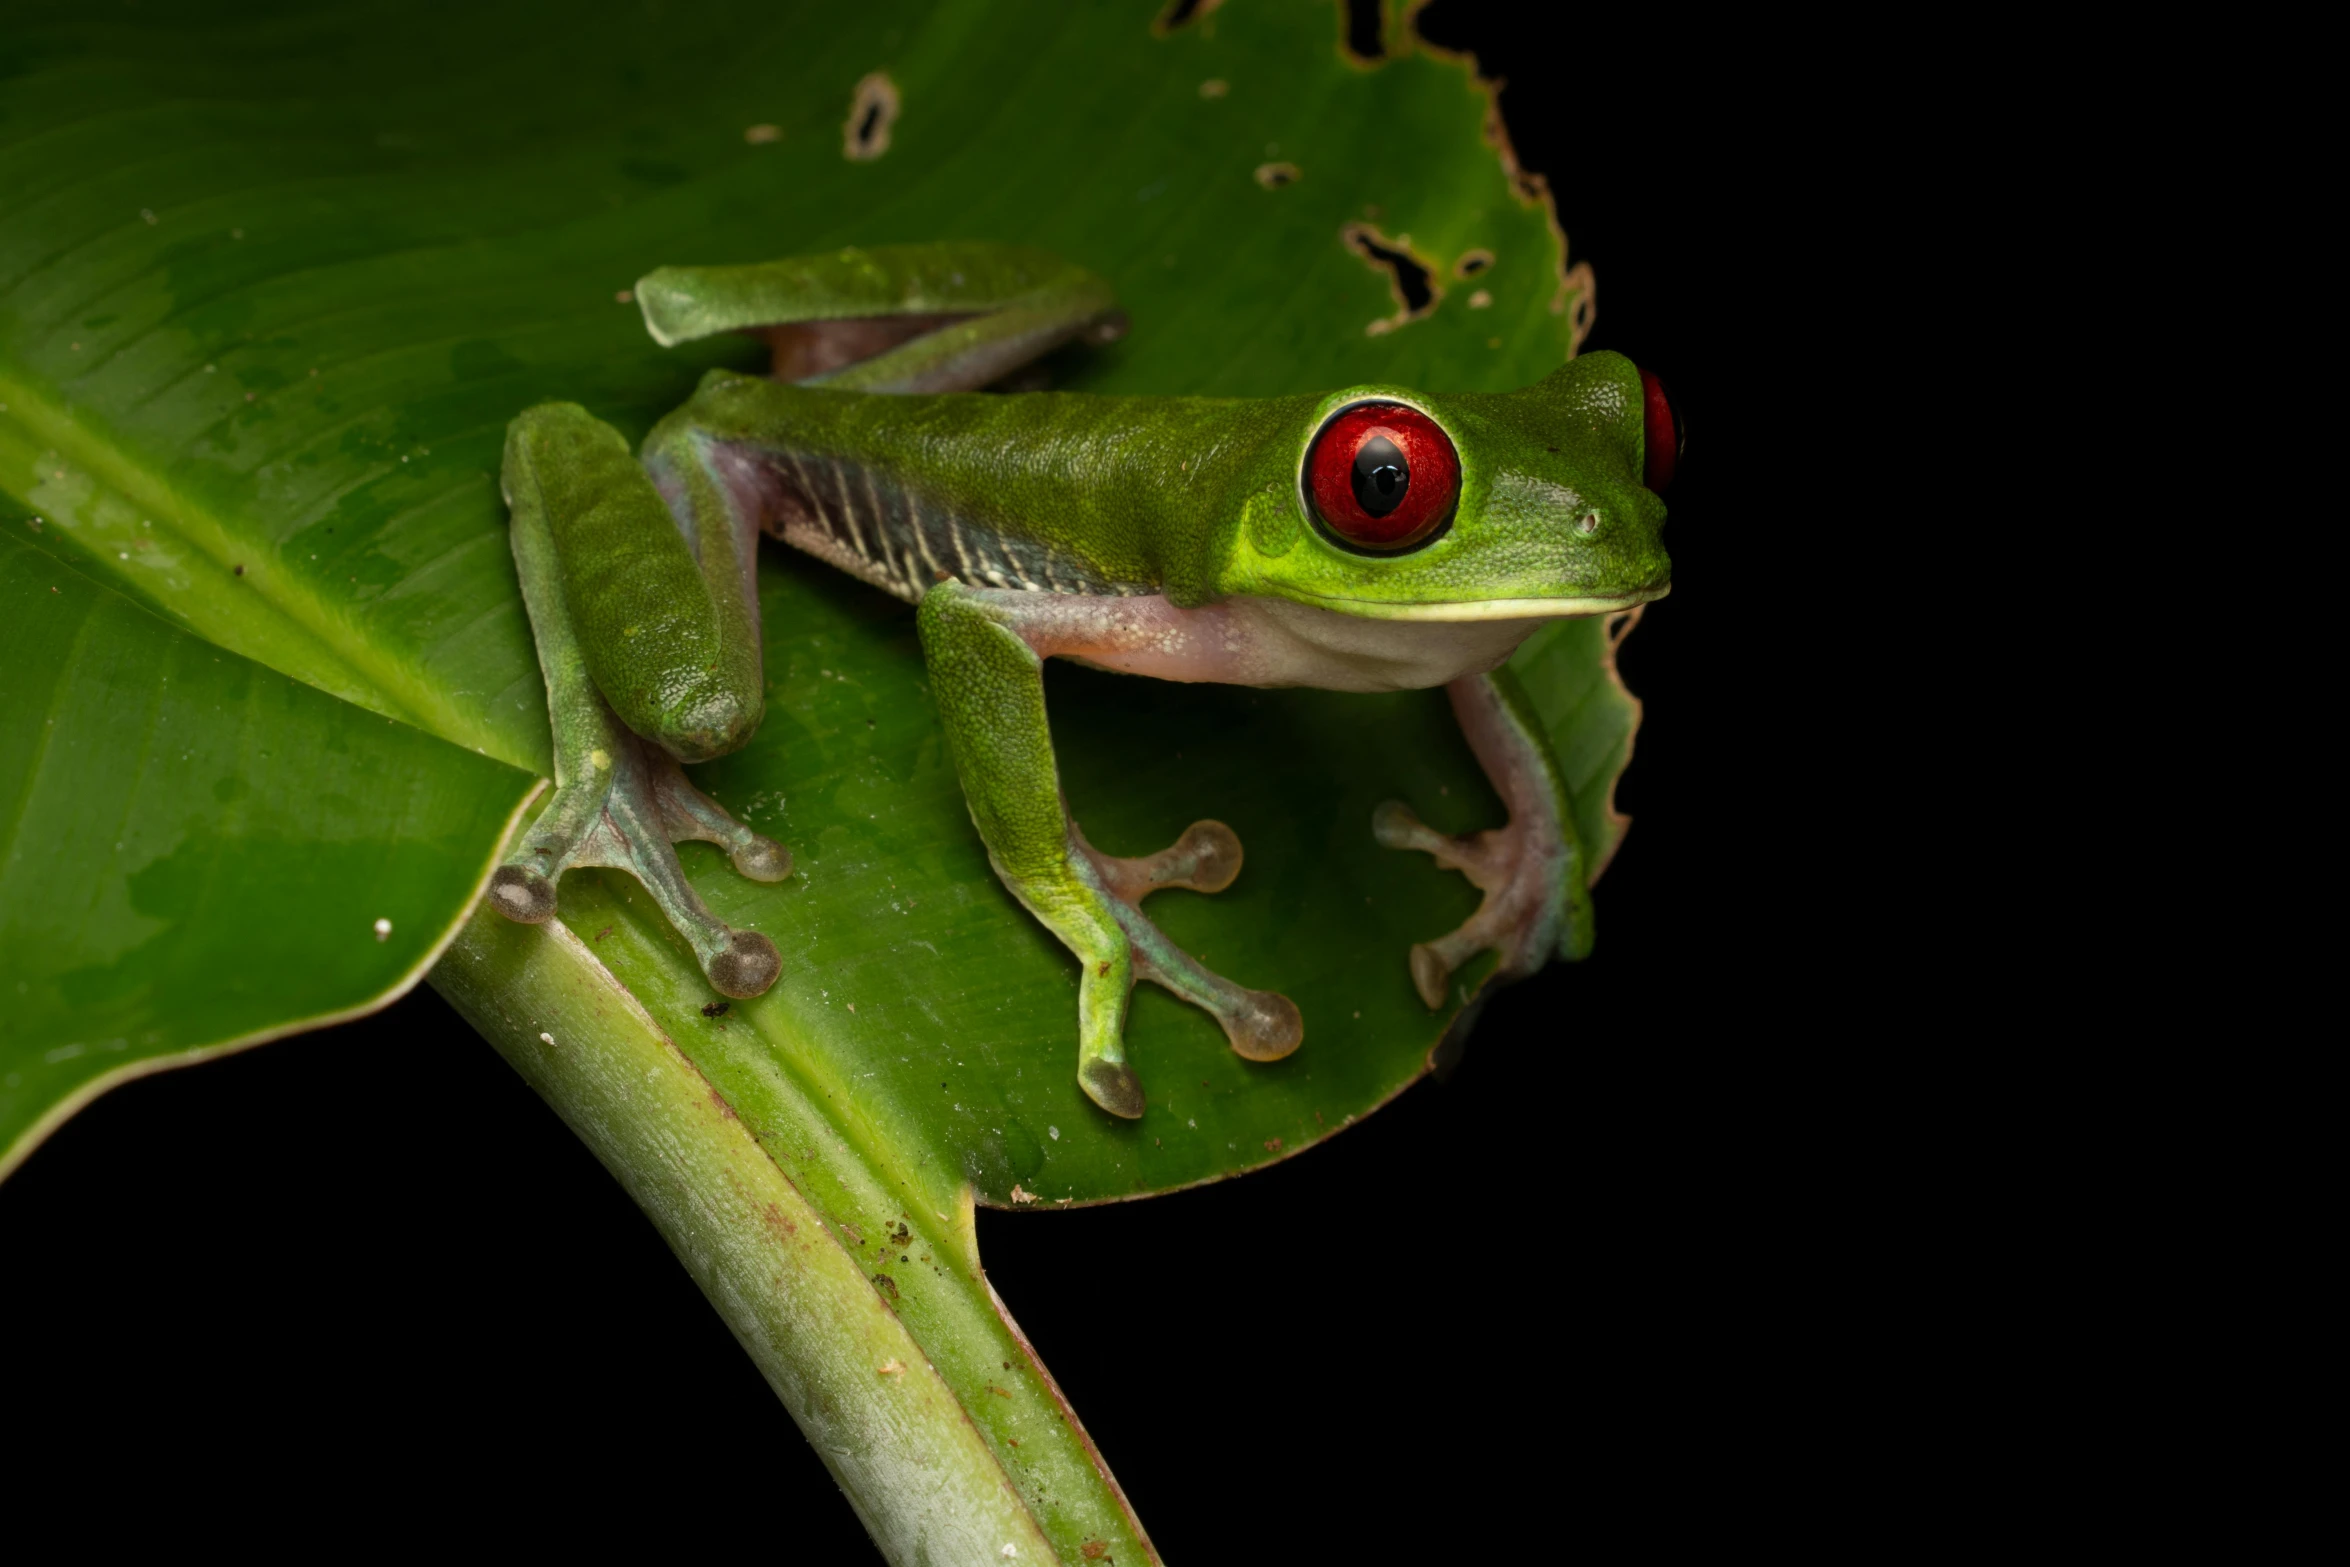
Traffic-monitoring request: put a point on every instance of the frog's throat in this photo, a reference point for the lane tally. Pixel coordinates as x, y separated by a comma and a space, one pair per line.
1485, 609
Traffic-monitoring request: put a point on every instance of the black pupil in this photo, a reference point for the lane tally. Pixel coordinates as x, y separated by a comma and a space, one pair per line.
1381, 476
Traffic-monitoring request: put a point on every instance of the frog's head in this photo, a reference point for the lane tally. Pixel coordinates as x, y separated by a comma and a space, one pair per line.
1518, 505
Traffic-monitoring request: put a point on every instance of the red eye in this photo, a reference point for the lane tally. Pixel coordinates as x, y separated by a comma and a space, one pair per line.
1383, 476
1666, 439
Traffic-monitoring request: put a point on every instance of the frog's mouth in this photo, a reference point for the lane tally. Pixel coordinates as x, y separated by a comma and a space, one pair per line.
1494, 609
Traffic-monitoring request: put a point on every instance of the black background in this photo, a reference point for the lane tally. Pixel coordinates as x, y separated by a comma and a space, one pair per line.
1591, 1288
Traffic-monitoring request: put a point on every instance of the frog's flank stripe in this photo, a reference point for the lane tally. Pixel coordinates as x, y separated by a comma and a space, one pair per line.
886, 530
848, 514
962, 554
919, 521
868, 522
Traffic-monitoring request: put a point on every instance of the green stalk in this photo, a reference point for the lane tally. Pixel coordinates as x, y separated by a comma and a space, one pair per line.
918, 1391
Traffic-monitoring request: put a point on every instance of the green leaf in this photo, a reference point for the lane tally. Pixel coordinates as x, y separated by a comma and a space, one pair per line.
259, 325
272, 283
197, 853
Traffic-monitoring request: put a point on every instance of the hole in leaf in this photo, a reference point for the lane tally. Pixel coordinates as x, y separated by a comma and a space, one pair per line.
871, 114
1364, 27
1411, 280
1182, 13
1471, 263
1275, 175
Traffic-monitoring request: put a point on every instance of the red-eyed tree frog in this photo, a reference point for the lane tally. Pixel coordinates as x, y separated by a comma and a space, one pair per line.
1372, 538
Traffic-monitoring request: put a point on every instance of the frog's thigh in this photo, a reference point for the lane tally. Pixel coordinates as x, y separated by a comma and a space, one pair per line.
619, 800
1531, 871
989, 683
663, 606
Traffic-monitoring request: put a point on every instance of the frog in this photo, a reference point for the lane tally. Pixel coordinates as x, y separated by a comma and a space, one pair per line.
1370, 538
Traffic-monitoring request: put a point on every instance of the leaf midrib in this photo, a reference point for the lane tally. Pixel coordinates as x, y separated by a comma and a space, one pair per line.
348, 665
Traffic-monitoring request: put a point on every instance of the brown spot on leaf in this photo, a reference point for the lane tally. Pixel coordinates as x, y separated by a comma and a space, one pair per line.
715, 1008
1272, 1145
887, 1285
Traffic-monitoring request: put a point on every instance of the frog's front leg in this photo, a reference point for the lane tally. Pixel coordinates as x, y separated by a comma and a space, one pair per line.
625, 607
1532, 872
985, 651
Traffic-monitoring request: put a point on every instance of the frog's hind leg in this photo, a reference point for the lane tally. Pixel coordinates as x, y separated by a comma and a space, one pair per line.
893, 318
620, 800
990, 687
1537, 899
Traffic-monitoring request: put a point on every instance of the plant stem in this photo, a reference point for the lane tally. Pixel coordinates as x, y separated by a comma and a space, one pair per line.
919, 1393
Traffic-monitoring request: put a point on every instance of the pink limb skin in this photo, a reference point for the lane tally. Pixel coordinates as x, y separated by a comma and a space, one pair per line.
1524, 869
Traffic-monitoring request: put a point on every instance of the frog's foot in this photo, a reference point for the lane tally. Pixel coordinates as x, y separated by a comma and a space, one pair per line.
1262, 1025
631, 804
1537, 899
1520, 869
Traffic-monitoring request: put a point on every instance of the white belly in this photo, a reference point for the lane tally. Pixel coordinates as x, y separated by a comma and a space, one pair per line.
1260, 641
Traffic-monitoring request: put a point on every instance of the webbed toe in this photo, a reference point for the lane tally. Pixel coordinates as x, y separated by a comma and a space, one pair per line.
1113, 1086
747, 966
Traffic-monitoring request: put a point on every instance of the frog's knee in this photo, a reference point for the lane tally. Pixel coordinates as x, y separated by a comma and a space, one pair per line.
714, 720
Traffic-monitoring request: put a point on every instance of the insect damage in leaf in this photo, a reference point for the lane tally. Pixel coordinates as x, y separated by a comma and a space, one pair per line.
1361, 31
1182, 13
1275, 175
1578, 287
1410, 278
874, 109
